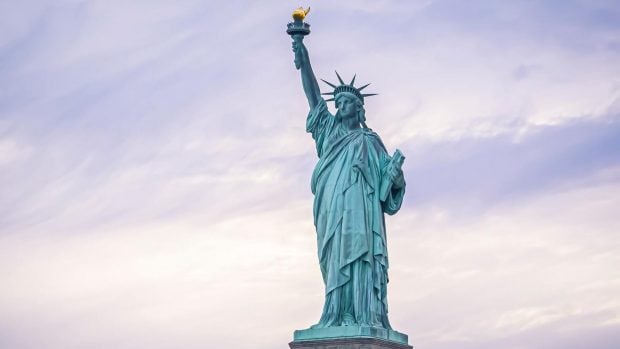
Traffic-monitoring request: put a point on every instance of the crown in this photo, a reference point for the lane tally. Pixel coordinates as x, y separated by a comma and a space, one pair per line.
347, 88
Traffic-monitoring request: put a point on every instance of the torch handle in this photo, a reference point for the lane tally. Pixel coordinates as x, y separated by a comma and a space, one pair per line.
298, 39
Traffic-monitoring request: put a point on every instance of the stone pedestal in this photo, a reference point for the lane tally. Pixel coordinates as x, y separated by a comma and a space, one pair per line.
348, 343
349, 337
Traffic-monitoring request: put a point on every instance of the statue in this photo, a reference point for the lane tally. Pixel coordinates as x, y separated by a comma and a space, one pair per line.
354, 183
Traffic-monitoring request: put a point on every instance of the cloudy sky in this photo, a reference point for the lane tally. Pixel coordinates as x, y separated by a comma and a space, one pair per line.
154, 170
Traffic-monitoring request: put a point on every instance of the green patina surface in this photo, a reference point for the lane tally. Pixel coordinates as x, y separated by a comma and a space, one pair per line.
350, 332
355, 183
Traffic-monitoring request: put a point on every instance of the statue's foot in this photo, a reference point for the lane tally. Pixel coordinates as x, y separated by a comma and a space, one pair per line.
348, 320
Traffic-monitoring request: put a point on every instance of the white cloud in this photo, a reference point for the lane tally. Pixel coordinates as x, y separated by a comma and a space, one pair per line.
156, 168
11, 151
527, 264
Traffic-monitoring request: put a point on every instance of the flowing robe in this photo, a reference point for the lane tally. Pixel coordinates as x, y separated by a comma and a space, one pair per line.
349, 220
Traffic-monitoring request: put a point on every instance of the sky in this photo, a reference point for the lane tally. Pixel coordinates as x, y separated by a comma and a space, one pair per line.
155, 170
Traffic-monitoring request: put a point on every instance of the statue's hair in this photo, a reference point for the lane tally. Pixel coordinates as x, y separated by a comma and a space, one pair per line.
361, 113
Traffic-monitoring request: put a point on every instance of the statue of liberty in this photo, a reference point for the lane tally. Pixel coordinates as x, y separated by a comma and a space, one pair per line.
354, 183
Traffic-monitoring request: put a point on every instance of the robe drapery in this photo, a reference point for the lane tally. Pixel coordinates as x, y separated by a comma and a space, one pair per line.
349, 220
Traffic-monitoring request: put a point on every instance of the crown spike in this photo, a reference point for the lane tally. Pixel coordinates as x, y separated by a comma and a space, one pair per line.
363, 87
339, 78
346, 88
329, 83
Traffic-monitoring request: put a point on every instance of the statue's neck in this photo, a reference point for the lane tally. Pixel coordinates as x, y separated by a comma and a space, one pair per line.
351, 124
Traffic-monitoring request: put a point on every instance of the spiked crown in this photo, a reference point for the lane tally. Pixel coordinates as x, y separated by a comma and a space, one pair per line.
356, 91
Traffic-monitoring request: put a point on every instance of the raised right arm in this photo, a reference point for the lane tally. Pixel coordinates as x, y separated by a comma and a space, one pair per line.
308, 80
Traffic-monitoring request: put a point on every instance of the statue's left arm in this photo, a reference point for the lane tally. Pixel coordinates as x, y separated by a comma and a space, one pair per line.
393, 185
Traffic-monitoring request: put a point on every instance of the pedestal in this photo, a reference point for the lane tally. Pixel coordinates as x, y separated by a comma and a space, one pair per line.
349, 337
348, 343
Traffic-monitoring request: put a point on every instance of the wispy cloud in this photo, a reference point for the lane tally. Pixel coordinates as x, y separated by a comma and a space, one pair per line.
155, 170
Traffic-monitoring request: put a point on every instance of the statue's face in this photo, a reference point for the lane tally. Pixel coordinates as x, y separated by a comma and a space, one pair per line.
347, 107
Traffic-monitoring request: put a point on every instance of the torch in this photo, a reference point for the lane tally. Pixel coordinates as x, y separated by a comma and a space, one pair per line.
298, 29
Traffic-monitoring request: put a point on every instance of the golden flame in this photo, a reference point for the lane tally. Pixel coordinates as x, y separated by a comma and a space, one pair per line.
300, 13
